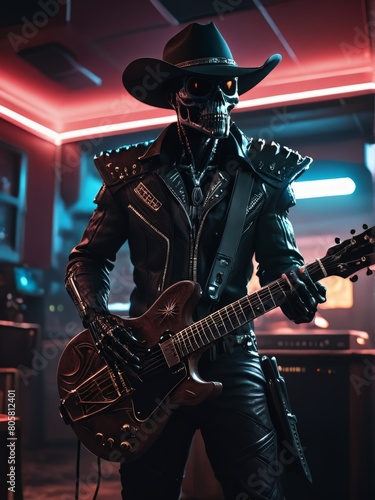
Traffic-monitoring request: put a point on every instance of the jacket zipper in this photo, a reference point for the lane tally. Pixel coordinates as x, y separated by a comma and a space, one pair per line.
195, 244
162, 283
193, 250
191, 238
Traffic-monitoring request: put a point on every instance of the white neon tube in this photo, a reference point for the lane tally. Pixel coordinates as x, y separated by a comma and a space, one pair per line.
341, 186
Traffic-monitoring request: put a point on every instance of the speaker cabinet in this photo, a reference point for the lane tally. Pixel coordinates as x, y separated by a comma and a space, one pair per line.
17, 343
333, 397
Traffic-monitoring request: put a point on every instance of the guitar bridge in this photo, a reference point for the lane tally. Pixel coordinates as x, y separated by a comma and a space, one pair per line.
92, 396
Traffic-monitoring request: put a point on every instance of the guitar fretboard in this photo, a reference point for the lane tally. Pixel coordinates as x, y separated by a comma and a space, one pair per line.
229, 318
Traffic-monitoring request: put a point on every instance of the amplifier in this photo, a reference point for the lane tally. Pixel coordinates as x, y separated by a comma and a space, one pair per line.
17, 343
332, 394
314, 340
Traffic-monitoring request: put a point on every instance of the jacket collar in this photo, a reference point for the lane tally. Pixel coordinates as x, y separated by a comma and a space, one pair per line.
166, 145
163, 146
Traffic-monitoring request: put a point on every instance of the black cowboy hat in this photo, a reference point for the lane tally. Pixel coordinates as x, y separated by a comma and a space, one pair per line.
197, 50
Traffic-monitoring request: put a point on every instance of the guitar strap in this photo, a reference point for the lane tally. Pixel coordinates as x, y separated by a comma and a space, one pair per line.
226, 253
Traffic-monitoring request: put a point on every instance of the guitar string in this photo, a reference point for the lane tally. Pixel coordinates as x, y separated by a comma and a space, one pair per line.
220, 320
264, 293
238, 307
224, 316
232, 312
96, 387
158, 361
196, 338
192, 334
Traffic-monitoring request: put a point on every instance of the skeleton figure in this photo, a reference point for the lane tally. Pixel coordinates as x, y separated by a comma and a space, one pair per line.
186, 170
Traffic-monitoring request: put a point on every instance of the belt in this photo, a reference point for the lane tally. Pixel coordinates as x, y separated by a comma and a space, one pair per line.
248, 341
231, 342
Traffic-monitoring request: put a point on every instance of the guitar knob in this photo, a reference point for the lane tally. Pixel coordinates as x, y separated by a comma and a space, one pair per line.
99, 438
109, 443
125, 446
129, 429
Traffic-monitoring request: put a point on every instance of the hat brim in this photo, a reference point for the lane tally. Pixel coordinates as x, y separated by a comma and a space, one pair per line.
146, 78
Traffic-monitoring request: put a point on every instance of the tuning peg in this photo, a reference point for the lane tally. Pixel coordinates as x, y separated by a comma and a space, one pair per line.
337, 240
352, 231
369, 272
365, 226
354, 278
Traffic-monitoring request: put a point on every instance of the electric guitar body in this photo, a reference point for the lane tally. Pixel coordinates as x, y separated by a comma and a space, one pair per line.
123, 414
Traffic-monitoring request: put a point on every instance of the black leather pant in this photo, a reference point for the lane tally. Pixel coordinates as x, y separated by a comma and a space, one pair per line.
239, 437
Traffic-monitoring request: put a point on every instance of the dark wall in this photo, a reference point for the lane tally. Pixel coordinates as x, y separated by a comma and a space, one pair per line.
40, 193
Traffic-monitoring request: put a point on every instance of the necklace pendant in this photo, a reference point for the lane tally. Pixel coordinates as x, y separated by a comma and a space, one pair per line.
197, 196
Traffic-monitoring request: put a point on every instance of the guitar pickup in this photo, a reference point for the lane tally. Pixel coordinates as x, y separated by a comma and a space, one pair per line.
170, 352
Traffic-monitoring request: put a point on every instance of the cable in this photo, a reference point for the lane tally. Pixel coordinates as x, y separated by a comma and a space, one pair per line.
77, 468
99, 480
98, 483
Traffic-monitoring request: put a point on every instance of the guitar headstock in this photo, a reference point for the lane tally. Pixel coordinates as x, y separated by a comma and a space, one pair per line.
352, 255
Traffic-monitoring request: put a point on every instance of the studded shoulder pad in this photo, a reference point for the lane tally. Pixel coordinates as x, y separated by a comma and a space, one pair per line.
277, 165
121, 165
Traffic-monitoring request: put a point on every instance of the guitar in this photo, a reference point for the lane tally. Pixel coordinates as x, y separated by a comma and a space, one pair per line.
118, 416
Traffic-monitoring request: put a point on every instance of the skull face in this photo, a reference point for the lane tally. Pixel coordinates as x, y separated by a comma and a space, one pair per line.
205, 105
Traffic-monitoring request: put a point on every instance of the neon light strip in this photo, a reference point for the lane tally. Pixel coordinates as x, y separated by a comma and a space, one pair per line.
308, 94
341, 186
31, 125
116, 127
58, 138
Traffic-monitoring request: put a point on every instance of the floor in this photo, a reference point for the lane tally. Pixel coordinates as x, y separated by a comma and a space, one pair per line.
50, 473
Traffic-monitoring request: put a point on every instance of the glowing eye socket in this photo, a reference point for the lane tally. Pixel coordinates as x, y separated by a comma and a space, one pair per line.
229, 87
200, 87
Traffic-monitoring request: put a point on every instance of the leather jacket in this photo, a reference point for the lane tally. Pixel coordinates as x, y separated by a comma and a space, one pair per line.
145, 200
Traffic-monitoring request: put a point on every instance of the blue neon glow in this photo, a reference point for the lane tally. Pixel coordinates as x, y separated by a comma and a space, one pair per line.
341, 186
24, 281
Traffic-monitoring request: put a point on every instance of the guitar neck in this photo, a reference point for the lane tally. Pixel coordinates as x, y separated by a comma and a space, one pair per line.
229, 318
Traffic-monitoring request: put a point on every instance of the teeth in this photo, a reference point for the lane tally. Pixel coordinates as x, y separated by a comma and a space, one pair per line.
216, 123
214, 118
206, 114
